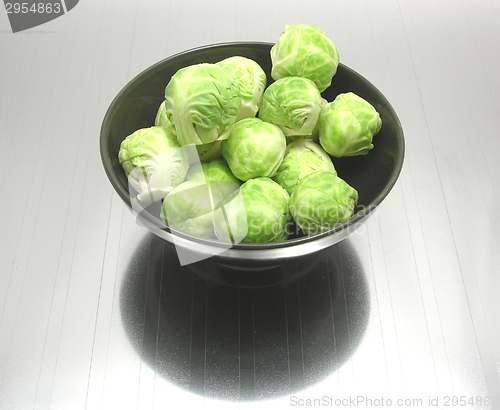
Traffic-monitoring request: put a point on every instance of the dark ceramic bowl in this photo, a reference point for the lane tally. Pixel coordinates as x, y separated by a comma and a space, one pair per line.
372, 175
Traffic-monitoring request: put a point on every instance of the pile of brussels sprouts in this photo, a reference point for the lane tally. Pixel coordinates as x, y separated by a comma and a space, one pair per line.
233, 160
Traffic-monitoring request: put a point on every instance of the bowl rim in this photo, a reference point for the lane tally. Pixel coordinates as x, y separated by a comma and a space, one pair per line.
259, 251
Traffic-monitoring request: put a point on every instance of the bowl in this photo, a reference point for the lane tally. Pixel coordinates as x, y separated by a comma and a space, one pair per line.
372, 175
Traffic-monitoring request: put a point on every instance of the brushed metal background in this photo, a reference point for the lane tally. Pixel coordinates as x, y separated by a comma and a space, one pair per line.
96, 314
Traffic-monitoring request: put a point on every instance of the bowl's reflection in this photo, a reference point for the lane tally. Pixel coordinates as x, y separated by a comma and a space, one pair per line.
251, 340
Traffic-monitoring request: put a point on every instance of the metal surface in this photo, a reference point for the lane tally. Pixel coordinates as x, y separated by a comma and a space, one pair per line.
95, 312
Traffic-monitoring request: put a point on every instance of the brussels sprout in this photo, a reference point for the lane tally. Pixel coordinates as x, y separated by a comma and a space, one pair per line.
293, 104
252, 81
209, 152
204, 152
162, 120
216, 174
258, 212
189, 206
153, 161
315, 132
216, 170
302, 157
254, 149
202, 102
305, 51
347, 126
322, 200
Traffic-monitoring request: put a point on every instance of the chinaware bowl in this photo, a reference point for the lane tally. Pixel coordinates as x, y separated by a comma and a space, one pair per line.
372, 175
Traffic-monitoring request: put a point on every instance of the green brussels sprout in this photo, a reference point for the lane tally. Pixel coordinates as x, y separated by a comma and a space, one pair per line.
293, 104
209, 152
189, 206
322, 200
258, 212
204, 152
315, 132
216, 170
216, 174
305, 51
202, 102
347, 126
302, 157
254, 149
252, 81
153, 161
162, 120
